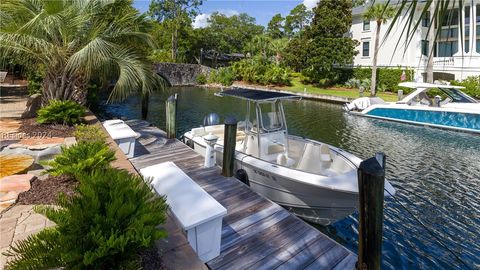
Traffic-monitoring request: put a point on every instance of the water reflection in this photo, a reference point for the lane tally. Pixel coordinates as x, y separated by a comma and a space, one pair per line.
435, 172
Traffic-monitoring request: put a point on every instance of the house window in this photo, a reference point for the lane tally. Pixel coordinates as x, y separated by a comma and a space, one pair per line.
426, 19
447, 48
366, 48
366, 25
425, 47
450, 17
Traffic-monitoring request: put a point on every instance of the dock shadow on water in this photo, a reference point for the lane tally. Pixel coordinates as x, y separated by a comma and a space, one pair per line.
436, 173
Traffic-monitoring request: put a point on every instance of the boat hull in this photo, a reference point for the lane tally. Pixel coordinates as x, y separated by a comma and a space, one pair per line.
452, 120
311, 202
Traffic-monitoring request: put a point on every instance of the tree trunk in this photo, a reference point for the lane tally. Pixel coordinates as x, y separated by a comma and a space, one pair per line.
60, 85
373, 82
431, 44
174, 43
145, 101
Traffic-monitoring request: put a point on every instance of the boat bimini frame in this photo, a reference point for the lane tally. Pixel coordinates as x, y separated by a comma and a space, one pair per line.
264, 120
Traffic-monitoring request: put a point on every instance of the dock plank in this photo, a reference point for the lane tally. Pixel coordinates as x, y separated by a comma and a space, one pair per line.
256, 233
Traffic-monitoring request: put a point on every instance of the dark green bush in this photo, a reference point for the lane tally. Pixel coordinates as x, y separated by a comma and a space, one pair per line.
223, 76
83, 157
35, 80
387, 78
262, 71
112, 216
201, 79
89, 133
61, 112
471, 84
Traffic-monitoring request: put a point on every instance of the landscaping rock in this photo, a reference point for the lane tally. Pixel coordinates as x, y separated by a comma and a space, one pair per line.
69, 141
18, 183
34, 103
42, 146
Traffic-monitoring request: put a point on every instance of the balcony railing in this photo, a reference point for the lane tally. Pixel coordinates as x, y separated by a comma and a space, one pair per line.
443, 61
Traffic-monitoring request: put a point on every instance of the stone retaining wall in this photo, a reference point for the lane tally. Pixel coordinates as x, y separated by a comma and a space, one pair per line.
178, 74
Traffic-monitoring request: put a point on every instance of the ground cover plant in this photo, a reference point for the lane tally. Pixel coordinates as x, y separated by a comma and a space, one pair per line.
111, 218
83, 157
89, 133
61, 112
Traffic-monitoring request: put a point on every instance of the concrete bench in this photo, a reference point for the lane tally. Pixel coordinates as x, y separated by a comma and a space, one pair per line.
199, 214
123, 135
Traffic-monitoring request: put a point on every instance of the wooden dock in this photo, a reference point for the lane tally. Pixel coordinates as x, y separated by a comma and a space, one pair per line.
257, 233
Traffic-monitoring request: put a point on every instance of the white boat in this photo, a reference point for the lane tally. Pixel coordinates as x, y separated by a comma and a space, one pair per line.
450, 108
316, 181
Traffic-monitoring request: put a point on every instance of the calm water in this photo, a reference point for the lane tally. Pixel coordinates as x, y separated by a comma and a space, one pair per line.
436, 173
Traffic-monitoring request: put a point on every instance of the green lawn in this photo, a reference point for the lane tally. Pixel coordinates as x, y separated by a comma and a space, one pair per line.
297, 86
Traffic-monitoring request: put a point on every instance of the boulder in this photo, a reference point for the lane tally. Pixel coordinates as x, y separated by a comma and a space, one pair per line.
34, 103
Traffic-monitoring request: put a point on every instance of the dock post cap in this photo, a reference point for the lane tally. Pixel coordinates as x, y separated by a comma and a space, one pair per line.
372, 166
230, 120
172, 97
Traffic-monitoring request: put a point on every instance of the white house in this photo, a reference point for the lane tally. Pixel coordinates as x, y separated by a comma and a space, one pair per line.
455, 56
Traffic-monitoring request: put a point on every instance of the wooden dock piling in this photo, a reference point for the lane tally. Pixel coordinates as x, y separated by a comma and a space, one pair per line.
371, 184
229, 146
171, 113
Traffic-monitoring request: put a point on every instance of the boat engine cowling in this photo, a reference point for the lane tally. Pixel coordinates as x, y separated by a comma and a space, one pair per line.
211, 119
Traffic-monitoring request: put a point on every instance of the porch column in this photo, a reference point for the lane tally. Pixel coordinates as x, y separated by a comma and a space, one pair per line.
473, 27
460, 43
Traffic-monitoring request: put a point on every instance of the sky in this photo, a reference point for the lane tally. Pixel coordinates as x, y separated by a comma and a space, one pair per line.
261, 10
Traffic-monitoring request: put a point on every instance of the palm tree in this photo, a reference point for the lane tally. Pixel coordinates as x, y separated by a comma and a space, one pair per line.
79, 40
380, 13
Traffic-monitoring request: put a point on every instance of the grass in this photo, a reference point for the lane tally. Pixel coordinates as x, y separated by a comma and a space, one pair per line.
297, 86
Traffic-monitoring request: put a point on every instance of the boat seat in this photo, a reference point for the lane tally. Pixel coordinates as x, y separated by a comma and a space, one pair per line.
284, 160
315, 159
252, 146
339, 166
275, 148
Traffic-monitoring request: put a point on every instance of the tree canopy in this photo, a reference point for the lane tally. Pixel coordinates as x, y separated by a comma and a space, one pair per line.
298, 18
275, 26
78, 40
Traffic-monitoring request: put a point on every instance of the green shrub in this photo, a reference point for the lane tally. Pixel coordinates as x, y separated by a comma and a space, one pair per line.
261, 70
201, 79
89, 133
387, 78
471, 84
223, 76
61, 112
112, 216
34, 85
83, 157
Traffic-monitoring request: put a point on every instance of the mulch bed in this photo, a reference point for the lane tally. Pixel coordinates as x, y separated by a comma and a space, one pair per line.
33, 129
46, 191
151, 260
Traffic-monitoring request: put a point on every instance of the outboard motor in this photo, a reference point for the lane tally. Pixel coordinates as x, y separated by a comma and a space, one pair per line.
211, 119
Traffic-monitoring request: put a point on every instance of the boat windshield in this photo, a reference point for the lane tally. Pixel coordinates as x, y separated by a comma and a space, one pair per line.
457, 95
270, 116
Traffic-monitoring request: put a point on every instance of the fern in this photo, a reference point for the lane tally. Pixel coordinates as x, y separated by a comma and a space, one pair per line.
61, 112
39, 251
112, 217
82, 157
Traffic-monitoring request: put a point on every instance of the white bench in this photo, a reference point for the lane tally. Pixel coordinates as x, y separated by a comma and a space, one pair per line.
123, 135
198, 213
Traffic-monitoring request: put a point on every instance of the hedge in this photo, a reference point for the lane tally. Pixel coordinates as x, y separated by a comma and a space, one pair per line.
389, 77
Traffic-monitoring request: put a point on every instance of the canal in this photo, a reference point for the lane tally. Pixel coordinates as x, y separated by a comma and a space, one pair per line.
436, 173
